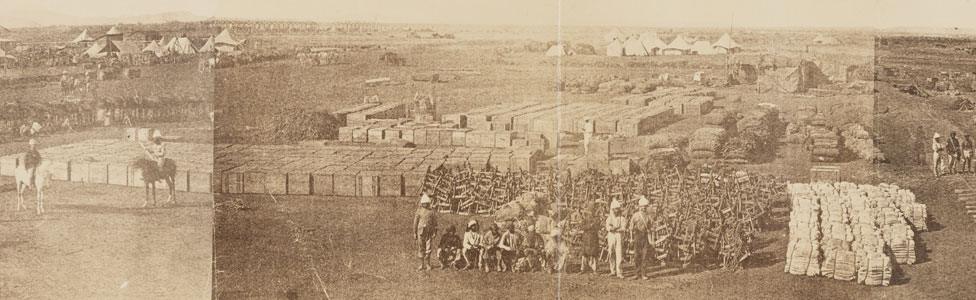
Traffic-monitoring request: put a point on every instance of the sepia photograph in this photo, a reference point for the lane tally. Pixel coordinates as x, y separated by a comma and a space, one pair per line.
436, 149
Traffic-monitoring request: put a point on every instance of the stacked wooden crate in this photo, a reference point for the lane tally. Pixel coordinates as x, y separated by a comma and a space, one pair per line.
349, 171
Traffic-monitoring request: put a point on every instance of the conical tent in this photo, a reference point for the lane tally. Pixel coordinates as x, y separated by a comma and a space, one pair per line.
154, 48
652, 43
208, 46
678, 46
95, 50
225, 39
183, 45
83, 38
171, 45
702, 48
726, 44
556, 50
634, 47
616, 48
113, 31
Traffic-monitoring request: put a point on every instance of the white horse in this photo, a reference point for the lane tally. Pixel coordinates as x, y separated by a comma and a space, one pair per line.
42, 176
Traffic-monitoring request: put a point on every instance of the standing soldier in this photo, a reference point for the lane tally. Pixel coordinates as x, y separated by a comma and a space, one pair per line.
954, 151
639, 229
967, 154
616, 225
588, 130
938, 149
425, 226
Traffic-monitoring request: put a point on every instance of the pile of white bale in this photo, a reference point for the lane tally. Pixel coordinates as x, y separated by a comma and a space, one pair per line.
850, 232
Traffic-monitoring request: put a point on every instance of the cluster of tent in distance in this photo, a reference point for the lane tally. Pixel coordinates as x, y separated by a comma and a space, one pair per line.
112, 43
650, 44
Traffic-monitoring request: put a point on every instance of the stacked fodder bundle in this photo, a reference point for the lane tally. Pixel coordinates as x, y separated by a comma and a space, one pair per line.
705, 142
859, 142
838, 235
803, 251
916, 213
863, 230
757, 133
720, 118
873, 265
826, 145
804, 114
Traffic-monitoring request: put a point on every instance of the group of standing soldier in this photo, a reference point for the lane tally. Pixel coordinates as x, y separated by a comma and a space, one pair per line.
950, 155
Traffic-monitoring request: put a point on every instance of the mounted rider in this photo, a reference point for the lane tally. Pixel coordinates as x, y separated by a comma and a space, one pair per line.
156, 151
31, 160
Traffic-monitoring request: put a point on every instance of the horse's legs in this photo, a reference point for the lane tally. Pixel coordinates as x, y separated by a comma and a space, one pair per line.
171, 185
145, 203
40, 200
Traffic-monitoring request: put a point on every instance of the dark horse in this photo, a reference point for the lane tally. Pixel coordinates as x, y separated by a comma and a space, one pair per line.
151, 174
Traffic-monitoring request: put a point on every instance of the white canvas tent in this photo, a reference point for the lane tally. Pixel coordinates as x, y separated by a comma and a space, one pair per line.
83, 38
183, 46
702, 48
726, 45
225, 38
652, 43
208, 46
558, 50
95, 50
155, 49
634, 47
615, 48
113, 31
679, 46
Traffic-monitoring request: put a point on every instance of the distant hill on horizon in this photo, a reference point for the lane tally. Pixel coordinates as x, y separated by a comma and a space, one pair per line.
41, 18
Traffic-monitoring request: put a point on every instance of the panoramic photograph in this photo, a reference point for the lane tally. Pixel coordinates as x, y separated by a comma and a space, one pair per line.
434, 149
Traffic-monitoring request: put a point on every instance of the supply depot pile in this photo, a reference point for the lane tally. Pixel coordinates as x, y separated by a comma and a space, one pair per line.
852, 232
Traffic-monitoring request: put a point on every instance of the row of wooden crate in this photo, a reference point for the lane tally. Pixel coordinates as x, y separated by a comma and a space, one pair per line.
111, 173
345, 184
518, 160
440, 136
552, 118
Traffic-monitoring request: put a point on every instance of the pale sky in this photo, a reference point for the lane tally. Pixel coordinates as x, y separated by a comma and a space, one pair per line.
652, 13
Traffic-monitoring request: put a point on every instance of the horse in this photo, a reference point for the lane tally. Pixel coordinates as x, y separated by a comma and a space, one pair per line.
42, 175
152, 174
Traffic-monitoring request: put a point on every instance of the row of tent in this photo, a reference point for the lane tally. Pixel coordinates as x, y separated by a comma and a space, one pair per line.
222, 43
650, 44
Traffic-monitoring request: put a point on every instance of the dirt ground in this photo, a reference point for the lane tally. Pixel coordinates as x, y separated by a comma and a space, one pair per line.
96, 242
362, 249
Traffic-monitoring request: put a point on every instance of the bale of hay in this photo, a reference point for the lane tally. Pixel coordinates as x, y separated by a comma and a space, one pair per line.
721, 118
707, 139
661, 140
